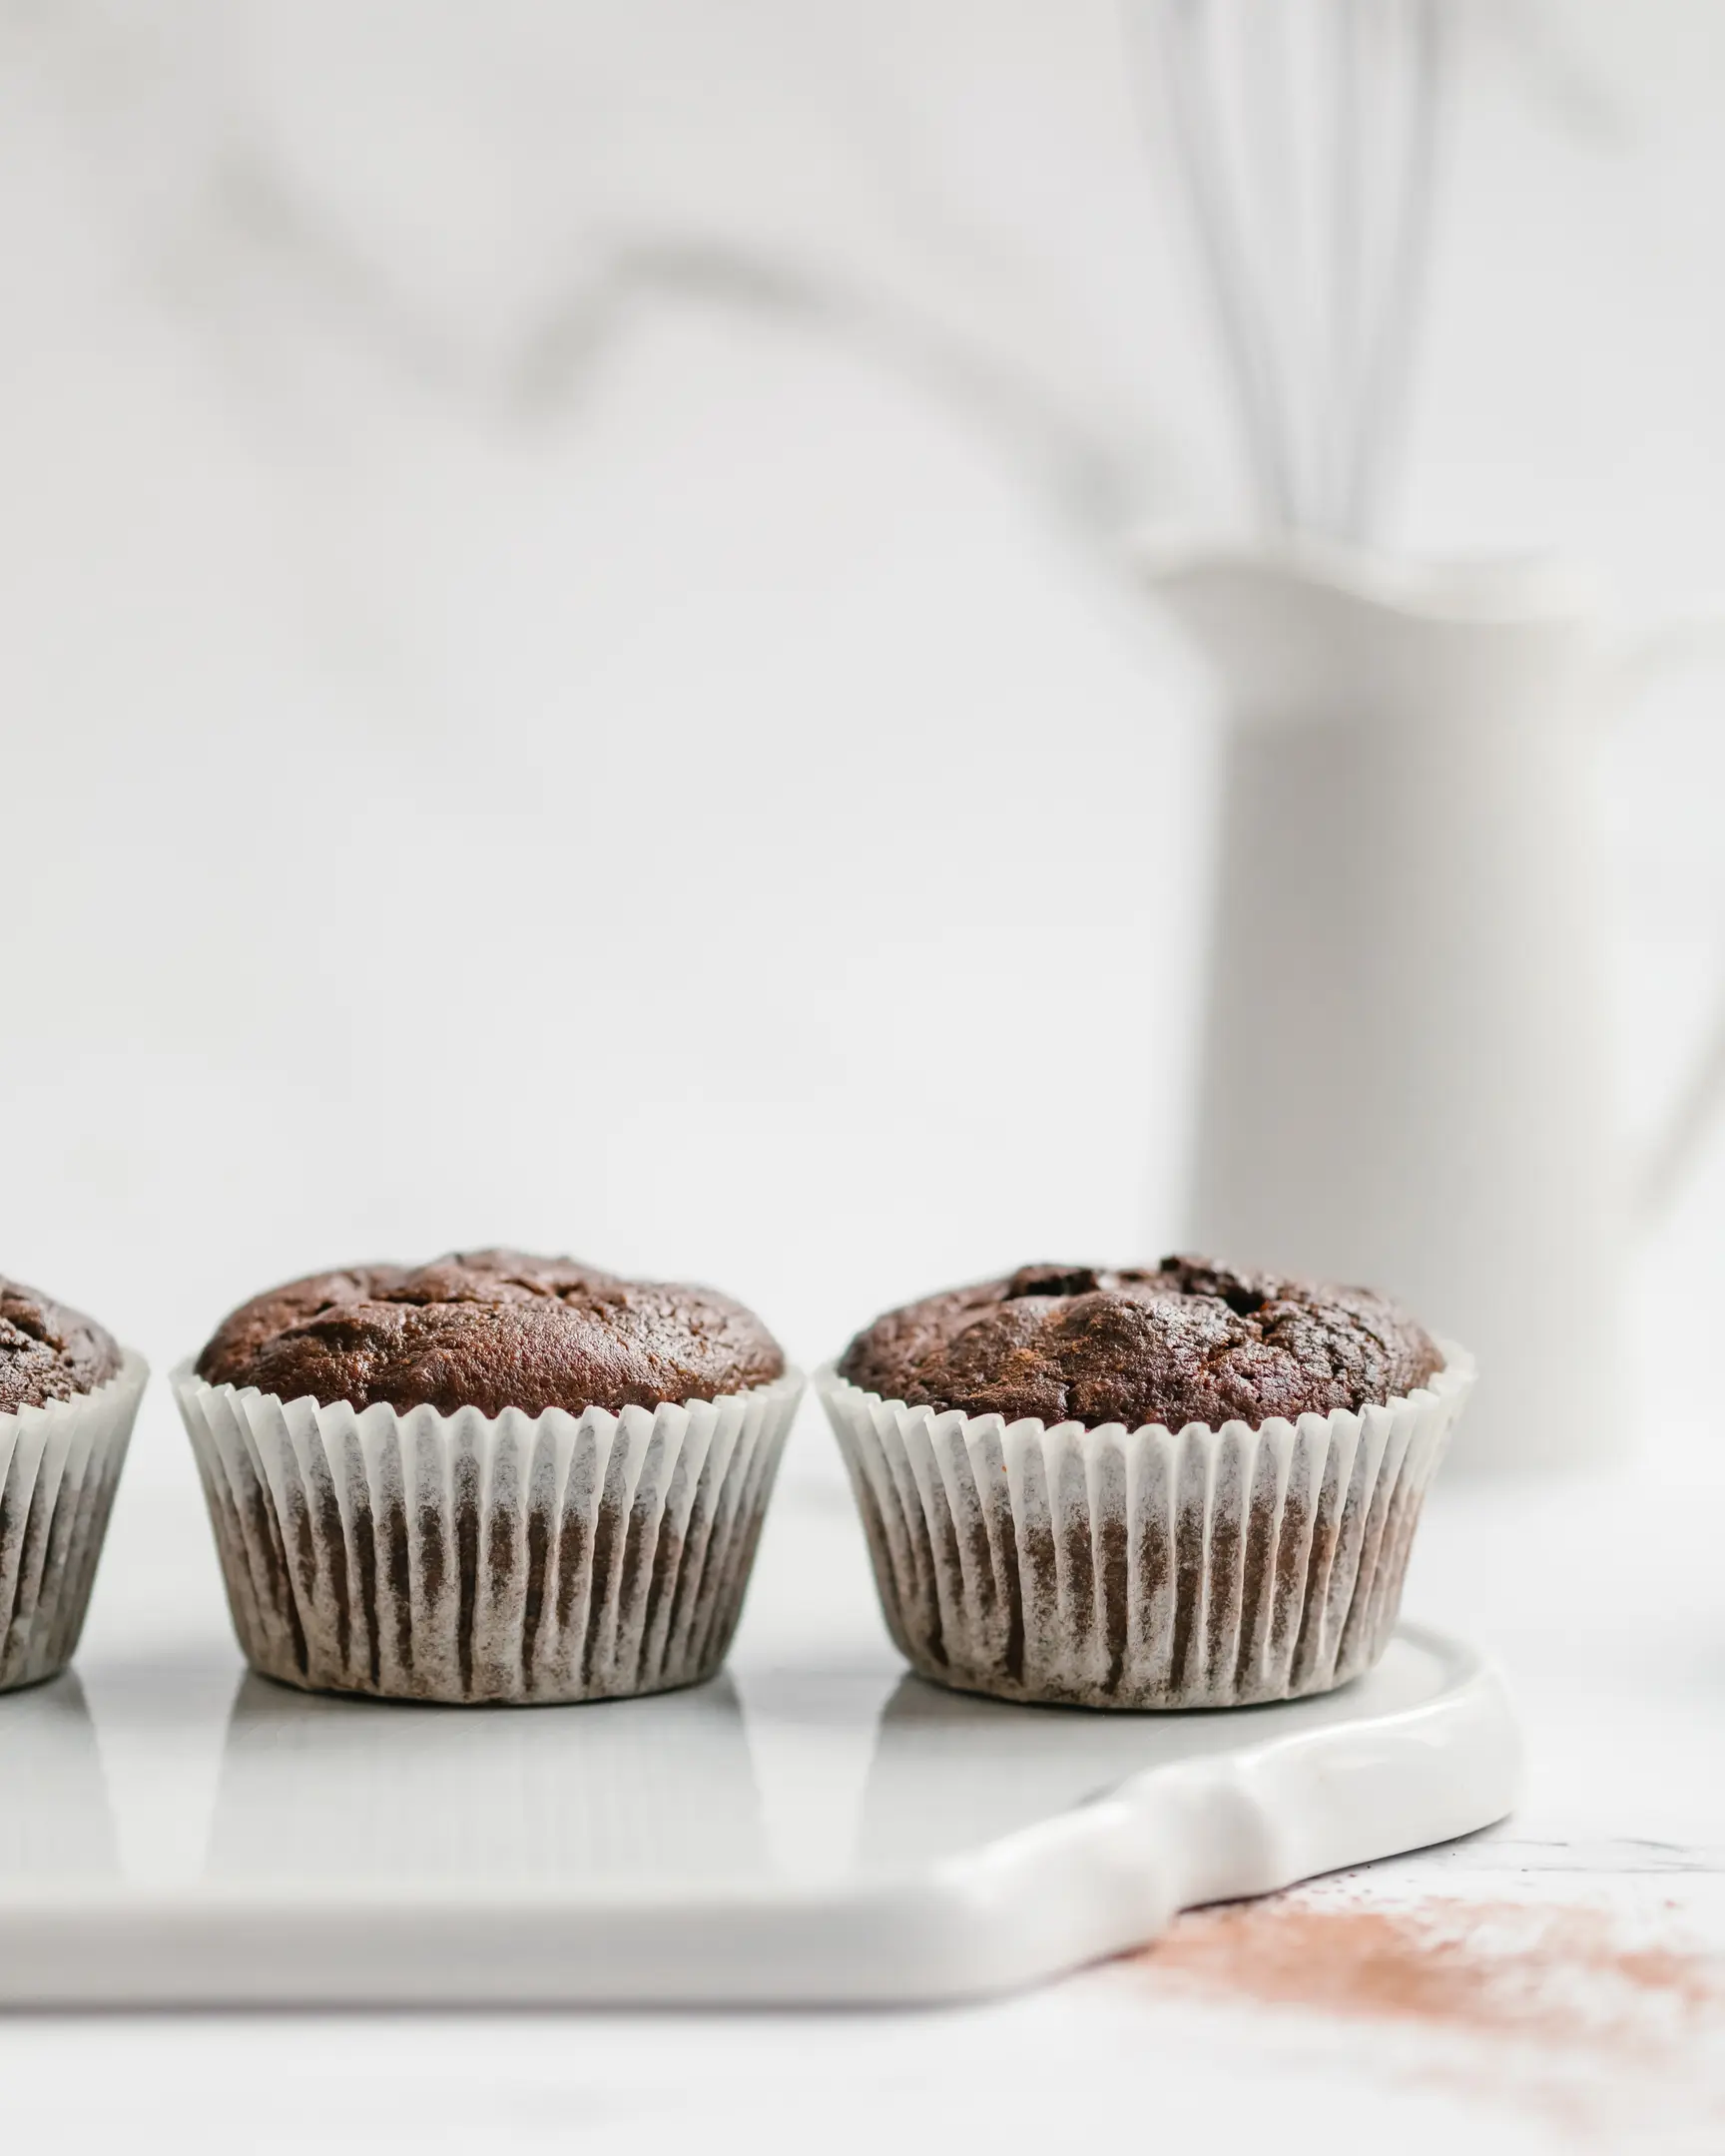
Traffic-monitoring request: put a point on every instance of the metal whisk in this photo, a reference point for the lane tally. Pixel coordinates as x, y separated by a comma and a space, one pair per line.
1306, 131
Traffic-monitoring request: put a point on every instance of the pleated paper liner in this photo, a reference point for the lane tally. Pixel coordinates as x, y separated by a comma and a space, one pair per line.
59, 1468
465, 1558
1147, 1568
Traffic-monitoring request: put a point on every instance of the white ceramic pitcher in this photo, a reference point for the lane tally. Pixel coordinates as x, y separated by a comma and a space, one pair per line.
1405, 1076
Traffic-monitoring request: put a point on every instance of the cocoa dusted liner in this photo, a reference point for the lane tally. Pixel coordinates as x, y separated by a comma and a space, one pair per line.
464, 1558
1143, 1568
57, 1486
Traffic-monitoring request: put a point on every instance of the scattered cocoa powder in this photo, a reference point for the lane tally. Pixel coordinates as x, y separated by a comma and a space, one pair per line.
1607, 2022
1556, 1974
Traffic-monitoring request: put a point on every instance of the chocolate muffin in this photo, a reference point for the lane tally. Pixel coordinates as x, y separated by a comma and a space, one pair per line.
1190, 1342
1180, 1487
67, 1379
47, 1352
494, 1477
492, 1329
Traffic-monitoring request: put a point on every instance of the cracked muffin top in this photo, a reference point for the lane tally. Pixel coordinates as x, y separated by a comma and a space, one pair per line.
1190, 1342
492, 1329
47, 1352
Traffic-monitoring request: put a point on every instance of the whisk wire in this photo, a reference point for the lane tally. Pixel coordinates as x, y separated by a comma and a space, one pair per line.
1307, 135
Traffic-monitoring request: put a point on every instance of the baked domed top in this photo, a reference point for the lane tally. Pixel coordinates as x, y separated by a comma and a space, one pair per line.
47, 1352
1190, 1342
492, 1329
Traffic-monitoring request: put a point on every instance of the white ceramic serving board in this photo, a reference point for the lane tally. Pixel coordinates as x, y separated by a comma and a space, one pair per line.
357, 1853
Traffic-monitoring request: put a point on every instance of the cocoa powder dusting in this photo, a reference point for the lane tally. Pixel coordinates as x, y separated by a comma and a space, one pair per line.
1570, 1985
1503, 1969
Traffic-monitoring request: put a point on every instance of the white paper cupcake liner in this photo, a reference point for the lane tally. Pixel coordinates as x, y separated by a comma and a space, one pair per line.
464, 1558
59, 1468
1142, 1568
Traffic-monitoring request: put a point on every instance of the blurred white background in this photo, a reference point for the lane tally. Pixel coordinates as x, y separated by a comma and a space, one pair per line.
566, 675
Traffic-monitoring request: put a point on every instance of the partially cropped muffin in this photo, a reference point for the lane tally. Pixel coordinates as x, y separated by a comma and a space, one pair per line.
1176, 1486
490, 1477
69, 1397
49, 1353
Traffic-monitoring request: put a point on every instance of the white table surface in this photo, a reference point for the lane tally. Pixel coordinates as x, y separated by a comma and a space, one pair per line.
1606, 1605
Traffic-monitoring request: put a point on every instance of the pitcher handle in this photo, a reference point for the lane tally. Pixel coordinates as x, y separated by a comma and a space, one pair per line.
1643, 656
